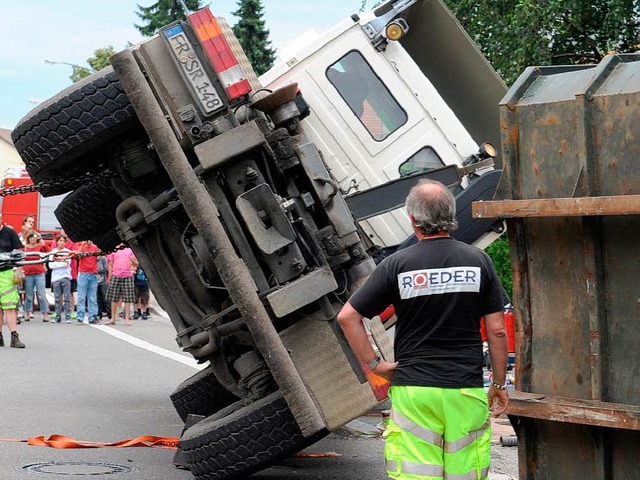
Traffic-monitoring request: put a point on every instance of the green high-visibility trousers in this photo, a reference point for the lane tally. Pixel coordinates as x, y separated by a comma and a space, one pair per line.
438, 433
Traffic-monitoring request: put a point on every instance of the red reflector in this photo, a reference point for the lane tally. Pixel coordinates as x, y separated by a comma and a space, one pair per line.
220, 54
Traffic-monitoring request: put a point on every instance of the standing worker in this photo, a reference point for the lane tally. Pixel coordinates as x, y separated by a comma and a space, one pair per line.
9, 296
440, 288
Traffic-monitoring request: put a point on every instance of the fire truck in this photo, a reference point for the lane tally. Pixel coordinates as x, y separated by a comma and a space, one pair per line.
15, 208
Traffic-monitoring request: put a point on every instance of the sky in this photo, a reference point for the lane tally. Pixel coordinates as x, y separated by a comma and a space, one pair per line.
71, 30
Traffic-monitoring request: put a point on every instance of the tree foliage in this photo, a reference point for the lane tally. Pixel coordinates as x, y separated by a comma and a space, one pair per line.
253, 35
514, 34
499, 253
519, 33
99, 61
162, 13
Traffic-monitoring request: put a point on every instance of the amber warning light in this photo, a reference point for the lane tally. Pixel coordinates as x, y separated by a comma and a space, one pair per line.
220, 55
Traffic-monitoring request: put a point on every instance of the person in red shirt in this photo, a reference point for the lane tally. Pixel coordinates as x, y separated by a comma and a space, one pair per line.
34, 277
28, 225
87, 282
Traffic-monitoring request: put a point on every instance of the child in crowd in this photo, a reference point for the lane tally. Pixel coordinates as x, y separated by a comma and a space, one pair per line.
61, 279
141, 289
104, 307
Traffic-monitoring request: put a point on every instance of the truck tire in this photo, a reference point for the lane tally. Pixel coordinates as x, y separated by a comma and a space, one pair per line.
71, 124
244, 441
107, 241
201, 394
89, 212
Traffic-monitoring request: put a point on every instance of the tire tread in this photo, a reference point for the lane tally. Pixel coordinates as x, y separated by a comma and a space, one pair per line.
72, 123
245, 441
201, 394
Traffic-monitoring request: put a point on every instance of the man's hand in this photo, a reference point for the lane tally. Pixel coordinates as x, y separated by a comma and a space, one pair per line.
498, 401
385, 369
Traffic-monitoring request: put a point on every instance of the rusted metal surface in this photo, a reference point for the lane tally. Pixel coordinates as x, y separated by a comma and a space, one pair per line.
573, 410
571, 194
559, 207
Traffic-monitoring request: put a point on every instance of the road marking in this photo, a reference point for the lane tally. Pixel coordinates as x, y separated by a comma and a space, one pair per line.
190, 362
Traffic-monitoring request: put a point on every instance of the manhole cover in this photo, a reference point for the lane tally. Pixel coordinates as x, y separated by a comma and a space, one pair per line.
77, 468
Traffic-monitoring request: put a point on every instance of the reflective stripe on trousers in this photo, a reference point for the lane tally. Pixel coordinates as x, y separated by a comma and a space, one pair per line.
435, 438
431, 436
433, 471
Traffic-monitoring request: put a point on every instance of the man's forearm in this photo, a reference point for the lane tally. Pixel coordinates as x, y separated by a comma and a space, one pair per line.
498, 355
354, 331
498, 346
498, 350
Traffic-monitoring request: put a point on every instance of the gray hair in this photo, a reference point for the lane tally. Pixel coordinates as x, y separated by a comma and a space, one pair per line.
433, 211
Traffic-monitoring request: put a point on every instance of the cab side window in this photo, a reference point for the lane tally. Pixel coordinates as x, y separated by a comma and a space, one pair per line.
423, 160
366, 95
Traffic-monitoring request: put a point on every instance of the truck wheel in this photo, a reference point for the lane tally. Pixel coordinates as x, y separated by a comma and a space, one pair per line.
71, 124
89, 212
107, 241
201, 394
244, 441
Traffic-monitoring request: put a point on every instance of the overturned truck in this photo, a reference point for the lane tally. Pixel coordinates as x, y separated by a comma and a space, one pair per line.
237, 204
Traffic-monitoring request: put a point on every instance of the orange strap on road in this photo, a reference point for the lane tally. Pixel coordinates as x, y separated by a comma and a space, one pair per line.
316, 455
62, 441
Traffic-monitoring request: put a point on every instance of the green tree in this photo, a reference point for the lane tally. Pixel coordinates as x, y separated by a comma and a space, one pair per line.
499, 253
516, 34
162, 13
99, 61
253, 36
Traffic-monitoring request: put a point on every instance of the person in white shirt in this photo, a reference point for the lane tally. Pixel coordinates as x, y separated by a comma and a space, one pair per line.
61, 279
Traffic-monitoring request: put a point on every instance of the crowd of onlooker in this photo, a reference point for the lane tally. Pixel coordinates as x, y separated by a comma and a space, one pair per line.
87, 285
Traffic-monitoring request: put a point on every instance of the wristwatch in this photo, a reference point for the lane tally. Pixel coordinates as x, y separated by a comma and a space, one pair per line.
498, 386
374, 363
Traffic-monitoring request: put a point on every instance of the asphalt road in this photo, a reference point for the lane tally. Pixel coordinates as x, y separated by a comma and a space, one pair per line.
103, 383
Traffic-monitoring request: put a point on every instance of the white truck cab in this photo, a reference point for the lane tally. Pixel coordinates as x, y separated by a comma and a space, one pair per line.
383, 109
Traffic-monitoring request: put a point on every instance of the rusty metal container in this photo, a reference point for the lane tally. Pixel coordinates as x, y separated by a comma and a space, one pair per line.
571, 197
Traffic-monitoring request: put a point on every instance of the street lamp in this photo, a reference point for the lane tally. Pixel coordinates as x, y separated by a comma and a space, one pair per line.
53, 62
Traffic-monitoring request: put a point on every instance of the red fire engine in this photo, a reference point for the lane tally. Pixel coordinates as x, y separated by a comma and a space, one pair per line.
15, 207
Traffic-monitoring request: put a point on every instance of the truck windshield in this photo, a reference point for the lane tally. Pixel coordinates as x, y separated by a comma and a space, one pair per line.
366, 95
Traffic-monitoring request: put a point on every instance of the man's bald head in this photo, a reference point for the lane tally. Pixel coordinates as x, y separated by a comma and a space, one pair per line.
432, 207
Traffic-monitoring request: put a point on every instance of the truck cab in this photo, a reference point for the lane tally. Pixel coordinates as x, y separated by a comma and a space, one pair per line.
393, 93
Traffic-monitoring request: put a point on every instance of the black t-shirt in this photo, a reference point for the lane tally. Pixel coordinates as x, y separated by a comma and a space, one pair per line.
440, 289
9, 241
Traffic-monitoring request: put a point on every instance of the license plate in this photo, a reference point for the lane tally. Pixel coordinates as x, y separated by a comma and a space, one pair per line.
191, 66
